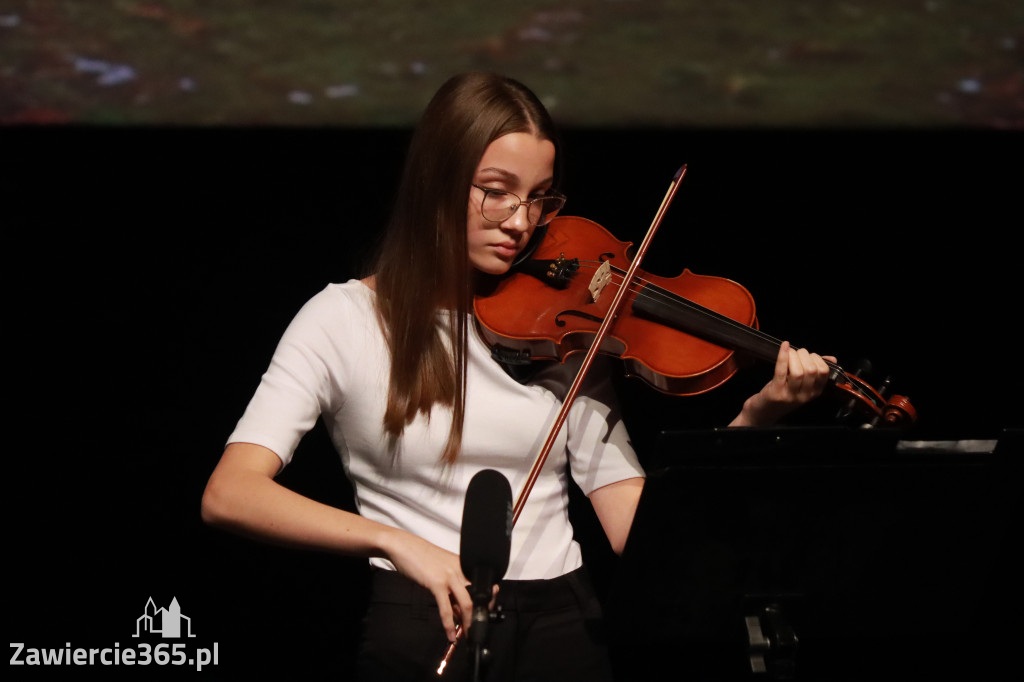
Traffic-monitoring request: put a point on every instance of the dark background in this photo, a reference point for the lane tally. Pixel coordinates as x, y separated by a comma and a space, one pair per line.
151, 271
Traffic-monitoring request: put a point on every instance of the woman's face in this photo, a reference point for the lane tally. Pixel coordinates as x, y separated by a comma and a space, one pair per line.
519, 163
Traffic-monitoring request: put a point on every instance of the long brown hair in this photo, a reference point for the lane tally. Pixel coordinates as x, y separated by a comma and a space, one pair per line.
423, 264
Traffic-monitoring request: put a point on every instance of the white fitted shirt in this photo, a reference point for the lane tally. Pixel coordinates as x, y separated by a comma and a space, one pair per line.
333, 363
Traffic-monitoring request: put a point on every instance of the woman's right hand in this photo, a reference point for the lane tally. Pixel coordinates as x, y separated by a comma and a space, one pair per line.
436, 569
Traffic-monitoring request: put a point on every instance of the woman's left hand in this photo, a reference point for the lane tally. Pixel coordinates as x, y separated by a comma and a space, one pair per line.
800, 376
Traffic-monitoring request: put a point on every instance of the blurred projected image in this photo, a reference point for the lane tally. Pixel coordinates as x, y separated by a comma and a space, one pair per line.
607, 63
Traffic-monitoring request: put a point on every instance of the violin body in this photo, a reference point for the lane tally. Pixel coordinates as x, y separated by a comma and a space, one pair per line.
530, 315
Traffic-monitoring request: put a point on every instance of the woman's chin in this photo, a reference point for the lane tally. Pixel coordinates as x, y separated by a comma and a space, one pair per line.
493, 266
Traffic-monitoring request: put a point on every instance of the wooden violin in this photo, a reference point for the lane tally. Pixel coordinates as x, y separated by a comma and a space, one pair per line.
683, 335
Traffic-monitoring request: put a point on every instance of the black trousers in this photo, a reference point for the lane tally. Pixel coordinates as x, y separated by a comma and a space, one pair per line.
547, 630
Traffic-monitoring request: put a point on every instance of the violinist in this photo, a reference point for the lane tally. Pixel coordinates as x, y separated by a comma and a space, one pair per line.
415, 405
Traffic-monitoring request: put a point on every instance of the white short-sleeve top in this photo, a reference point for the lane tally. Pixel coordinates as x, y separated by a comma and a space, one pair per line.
332, 363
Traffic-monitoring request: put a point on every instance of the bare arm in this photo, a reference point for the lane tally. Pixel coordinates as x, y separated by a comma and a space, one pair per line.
242, 496
615, 505
799, 377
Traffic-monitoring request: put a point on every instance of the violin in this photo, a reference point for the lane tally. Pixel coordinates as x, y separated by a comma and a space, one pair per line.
682, 335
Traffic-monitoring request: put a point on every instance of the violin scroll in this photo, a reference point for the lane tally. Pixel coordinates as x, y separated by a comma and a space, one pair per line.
873, 404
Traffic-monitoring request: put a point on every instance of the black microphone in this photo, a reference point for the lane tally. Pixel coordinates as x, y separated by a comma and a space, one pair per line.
486, 542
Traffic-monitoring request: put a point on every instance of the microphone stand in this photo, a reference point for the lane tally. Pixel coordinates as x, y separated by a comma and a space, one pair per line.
480, 591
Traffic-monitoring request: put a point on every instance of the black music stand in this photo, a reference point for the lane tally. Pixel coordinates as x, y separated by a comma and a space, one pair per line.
819, 554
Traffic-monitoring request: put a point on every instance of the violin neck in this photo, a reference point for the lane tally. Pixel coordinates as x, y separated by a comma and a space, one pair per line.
683, 314
672, 310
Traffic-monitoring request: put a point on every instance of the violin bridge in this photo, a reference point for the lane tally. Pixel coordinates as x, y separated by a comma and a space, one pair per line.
600, 280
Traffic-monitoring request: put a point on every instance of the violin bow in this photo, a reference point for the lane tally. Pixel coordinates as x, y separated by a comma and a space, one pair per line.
588, 360
592, 352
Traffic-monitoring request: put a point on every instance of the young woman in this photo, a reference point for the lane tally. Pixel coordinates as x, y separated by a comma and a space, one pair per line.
416, 406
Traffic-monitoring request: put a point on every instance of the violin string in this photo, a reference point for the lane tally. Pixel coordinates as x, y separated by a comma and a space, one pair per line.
646, 289
652, 291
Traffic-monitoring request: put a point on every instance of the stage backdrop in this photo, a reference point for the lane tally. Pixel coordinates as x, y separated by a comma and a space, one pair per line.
151, 272
609, 63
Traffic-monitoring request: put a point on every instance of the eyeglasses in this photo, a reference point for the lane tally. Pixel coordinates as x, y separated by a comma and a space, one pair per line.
499, 205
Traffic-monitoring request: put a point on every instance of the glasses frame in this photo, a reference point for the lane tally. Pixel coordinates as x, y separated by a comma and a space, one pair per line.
528, 203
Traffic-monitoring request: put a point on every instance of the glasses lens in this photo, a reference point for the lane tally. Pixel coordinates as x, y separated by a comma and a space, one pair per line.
544, 210
498, 206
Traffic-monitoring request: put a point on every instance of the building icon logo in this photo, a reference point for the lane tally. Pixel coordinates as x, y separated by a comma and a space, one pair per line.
168, 622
